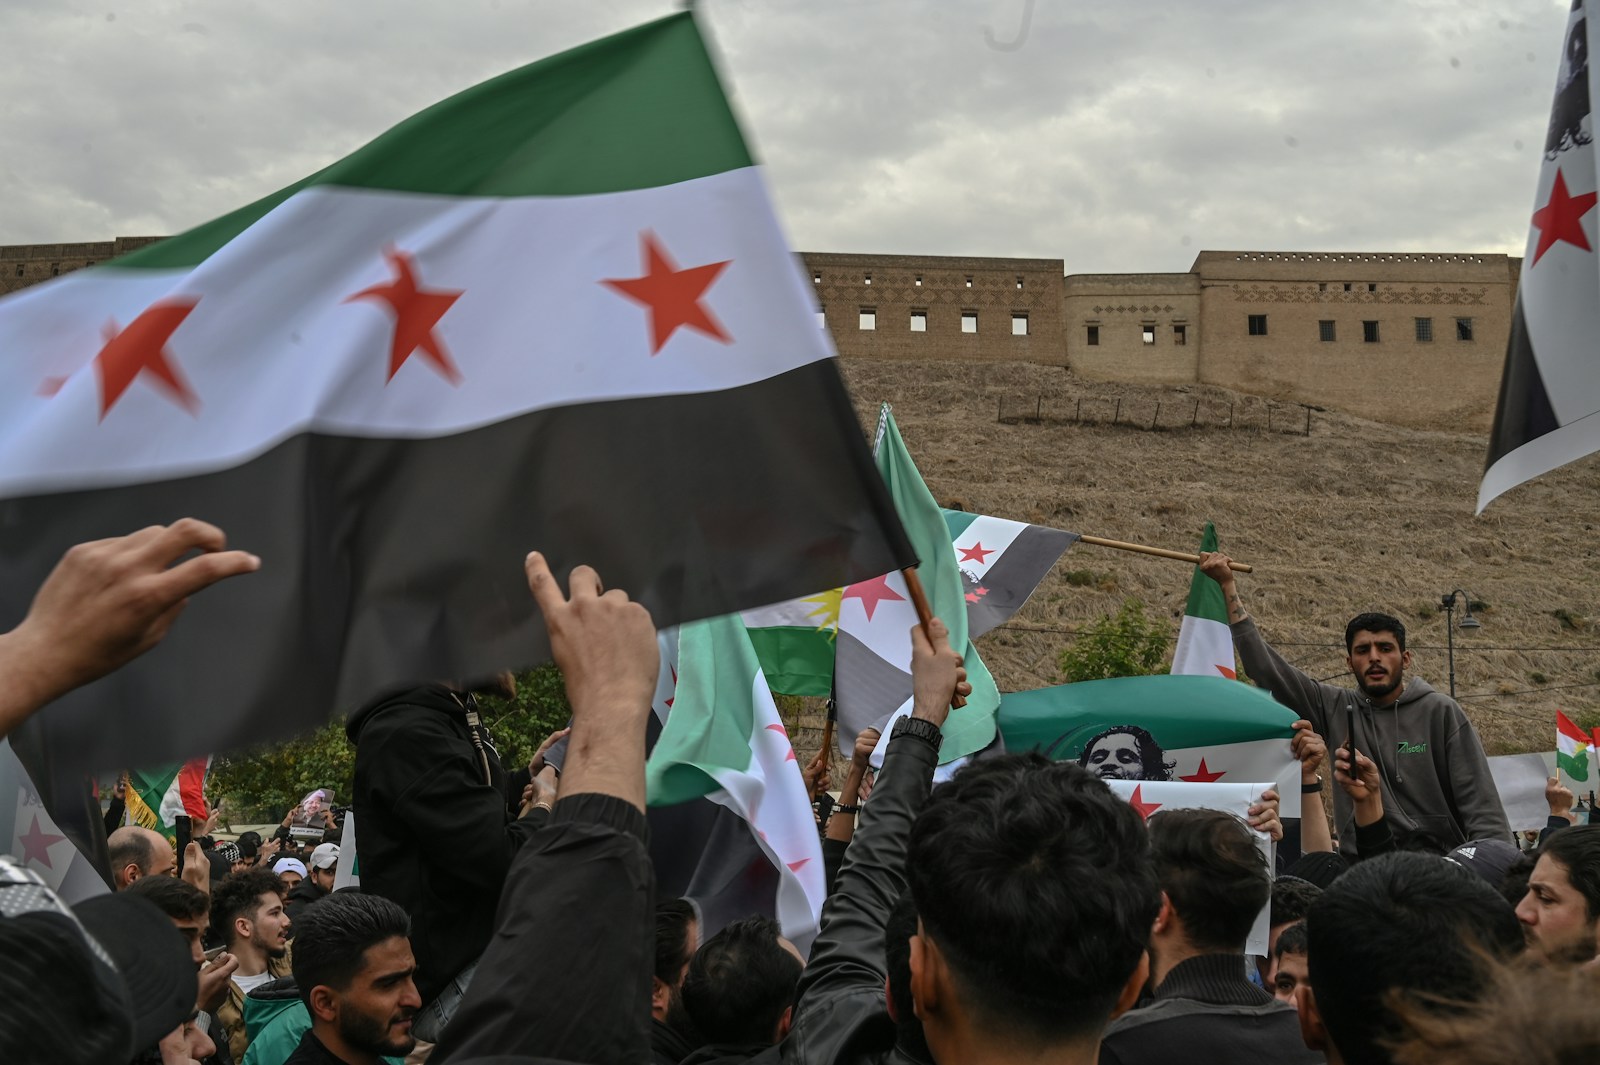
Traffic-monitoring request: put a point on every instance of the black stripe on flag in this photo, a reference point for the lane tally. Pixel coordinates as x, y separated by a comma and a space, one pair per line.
395, 561
867, 689
1524, 411
1013, 576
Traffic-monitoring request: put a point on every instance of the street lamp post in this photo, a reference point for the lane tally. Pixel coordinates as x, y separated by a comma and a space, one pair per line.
1447, 603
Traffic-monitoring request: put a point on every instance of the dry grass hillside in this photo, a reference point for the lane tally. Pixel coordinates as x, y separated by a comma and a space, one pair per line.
1356, 516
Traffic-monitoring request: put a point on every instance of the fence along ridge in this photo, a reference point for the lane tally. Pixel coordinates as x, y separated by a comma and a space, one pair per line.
1254, 415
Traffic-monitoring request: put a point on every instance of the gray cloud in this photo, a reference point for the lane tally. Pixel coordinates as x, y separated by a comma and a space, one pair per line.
1117, 136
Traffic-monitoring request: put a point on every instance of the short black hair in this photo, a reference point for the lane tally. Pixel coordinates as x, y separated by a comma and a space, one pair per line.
740, 982
1291, 940
1292, 899
1515, 883
1213, 873
1578, 851
333, 935
1036, 883
1400, 923
1372, 621
249, 843
240, 895
673, 920
178, 899
1152, 765
897, 933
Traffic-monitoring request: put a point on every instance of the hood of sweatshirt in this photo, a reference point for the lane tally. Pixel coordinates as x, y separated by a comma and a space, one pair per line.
433, 696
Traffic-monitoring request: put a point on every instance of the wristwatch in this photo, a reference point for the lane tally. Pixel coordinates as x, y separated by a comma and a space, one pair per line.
915, 726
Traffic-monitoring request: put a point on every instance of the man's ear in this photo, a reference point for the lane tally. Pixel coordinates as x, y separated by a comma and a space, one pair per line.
1312, 1030
1135, 985
925, 963
324, 1004
784, 1024
1405, 659
130, 872
1164, 917
659, 994
242, 927
888, 1002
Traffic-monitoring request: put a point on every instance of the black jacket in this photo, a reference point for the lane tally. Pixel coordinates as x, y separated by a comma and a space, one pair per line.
841, 1017
668, 1046
304, 894
434, 833
1207, 1012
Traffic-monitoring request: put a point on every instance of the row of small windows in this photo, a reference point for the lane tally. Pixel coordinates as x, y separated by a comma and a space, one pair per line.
1328, 330
1147, 332
55, 269
866, 279
868, 321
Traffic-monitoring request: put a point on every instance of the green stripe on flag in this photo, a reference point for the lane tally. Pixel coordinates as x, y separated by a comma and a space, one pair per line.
1205, 594
639, 109
958, 521
796, 661
713, 713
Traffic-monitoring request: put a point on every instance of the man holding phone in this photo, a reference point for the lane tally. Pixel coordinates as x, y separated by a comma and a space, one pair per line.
1436, 787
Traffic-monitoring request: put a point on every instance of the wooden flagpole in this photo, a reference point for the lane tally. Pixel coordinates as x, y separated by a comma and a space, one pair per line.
1159, 552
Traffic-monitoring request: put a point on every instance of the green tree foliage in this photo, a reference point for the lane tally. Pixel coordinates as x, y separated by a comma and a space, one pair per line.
1127, 644
261, 785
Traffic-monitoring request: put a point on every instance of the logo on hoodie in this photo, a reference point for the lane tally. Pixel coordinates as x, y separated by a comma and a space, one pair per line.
1413, 748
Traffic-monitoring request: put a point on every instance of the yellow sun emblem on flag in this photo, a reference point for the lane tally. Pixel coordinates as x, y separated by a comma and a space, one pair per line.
828, 604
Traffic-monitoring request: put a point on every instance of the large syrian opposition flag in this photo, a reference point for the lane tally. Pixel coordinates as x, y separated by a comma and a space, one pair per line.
1205, 729
872, 677
554, 311
1573, 745
156, 798
721, 739
30, 834
1001, 563
1205, 643
1549, 409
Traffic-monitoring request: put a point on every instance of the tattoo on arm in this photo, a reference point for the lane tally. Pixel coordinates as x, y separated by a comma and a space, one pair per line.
1235, 608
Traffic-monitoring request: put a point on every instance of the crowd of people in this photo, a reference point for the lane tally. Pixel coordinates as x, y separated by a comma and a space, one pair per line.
1019, 912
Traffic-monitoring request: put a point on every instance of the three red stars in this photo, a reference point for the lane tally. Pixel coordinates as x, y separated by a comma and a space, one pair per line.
871, 593
1561, 218
672, 295
142, 348
1136, 800
1203, 775
976, 553
416, 312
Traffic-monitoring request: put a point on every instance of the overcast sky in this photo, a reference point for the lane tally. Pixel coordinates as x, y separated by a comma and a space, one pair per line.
1117, 135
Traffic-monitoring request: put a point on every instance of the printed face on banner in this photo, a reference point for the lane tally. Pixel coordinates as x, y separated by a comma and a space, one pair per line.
1125, 752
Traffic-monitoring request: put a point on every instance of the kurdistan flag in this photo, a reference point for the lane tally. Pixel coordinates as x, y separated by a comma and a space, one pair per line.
722, 739
156, 798
1549, 408
554, 311
872, 677
1572, 748
1205, 643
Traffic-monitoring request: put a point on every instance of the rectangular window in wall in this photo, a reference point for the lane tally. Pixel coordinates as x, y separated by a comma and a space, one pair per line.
816, 279
1148, 334
969, 280
969, 321
1424, 328
1347, 286
1371, 287
1258, 325
1093, 339
919, 321
1369, 332
866, 279
1180, 335
1327, 332
918, 281
1019, 283
1019, 324
1463, 328
869, 318
822, 319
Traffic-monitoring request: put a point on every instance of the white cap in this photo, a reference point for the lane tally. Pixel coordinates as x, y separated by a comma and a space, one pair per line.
324, 855
284, 865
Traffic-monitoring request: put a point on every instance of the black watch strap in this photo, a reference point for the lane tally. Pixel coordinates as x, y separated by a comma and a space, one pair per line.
915, 726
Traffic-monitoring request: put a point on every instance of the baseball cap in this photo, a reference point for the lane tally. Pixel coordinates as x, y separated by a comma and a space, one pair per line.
1489, 858
326, 854
104, 980
289, 865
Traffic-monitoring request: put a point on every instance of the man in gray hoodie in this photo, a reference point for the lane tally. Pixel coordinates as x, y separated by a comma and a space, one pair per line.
1437, 790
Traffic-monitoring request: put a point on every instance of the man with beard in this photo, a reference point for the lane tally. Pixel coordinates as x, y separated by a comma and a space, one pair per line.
1436, 788
1560, 914
247, 915
354, 967
677, 937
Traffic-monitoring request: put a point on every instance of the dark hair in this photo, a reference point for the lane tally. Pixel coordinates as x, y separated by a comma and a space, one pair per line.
1152, 767
1372, 621
1515, 883
1213, 873
1291, 940
897, 933
740, 983
673, 919
1578, 850
240, 896
1402, 922
1036, 884
1291, 899
176, 898
133, 846
333, 935
249, 843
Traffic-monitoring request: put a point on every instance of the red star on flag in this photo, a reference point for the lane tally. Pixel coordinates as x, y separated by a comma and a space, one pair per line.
416, 312
794, 867
871, 593
1137, 801
976, 553
674, 686
36, 844
142, 348
780, 730
1561, 218
672, 295
1203, 775
1231, 674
